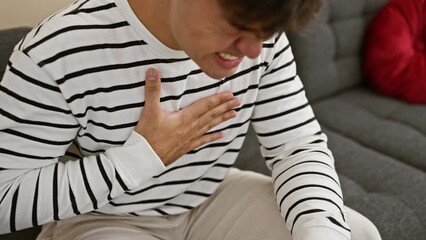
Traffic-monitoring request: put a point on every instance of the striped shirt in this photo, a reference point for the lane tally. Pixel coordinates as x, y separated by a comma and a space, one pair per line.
79, 77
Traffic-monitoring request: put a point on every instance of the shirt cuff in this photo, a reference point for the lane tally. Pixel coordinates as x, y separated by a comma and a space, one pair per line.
135, 161
315, 233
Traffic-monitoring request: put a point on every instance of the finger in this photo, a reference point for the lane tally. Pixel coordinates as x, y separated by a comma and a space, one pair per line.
204, 105
207, 138
218, 114
216, 121
152, 89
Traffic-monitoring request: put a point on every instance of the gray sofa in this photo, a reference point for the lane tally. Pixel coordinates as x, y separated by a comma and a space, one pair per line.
379, 143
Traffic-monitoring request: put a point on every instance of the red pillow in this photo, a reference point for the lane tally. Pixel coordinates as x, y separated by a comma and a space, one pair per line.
395, 54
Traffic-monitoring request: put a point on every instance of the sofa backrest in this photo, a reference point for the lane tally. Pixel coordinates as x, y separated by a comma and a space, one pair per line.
8, 39
328, 54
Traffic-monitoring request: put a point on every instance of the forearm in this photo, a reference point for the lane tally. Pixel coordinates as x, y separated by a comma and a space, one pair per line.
32, 197
305, 182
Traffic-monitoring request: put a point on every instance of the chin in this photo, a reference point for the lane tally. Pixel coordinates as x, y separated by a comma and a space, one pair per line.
219, 74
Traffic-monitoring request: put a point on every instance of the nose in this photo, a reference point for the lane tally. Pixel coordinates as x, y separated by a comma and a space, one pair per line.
249, 45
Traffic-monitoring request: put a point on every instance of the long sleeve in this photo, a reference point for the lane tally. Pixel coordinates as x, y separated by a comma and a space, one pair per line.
36, 128
305, 182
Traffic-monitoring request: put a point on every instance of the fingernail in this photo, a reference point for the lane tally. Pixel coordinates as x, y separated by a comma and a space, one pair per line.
151, 74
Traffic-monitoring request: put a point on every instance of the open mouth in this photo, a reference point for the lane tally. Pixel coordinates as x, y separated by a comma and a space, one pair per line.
228, 56
228, 60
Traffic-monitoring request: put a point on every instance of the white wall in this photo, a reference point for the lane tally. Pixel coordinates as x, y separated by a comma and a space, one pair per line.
15, 13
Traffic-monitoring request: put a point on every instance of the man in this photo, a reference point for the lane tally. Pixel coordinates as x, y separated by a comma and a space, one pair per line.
157, 151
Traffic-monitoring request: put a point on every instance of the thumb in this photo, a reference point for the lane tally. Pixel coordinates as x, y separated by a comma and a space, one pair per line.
152, 89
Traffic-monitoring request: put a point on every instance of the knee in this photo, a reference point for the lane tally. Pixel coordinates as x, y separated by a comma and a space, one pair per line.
362, 228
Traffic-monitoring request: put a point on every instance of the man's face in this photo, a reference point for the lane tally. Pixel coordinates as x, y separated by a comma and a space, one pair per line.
201, 30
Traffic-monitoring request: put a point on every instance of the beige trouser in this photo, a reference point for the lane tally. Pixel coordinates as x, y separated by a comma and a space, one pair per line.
243, 208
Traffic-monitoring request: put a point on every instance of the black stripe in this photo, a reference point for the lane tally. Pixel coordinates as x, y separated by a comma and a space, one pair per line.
93, 151
279, 68
337, 223
277, 38
277, 83
35, 202
308, 186
272, 148
268, 45
101, 140
319, 151
111, 127
298, 151
270, 117
87, 186
245, 90
4, 196
25, 121
13, 211
179, 205
300, 163
149, 201
105, 90
110, 109
117, 67
55, 194
74, 28
318, 141
201, 194
89, 48
273, 164
32, 80
280, 97
182, 77
105, 176
21, 43
304, 213
121, 182
161, 212
36, 139
92, 10
215, 180
306, 173
33, 103
244, 72
269, 134
78, 7
224, 165
73, 202
190, 91
281, 51
17, 154
309, 199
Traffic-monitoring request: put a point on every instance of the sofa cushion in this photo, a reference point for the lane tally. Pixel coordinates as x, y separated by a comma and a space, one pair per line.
8, 39
378, 144
395, 53
328, 53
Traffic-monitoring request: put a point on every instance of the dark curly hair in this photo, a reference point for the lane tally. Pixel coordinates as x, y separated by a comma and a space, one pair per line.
266, 17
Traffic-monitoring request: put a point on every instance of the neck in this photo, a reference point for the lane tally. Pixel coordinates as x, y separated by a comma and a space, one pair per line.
154, 14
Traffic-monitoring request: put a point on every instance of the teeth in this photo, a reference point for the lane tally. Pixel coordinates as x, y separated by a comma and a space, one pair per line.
228, 56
